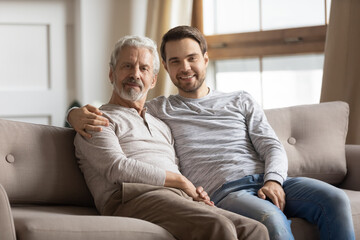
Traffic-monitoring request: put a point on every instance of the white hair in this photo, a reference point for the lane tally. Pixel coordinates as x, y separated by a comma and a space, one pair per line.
136, 41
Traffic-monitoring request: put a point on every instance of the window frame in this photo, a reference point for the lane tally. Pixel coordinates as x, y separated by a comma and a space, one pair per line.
261, 43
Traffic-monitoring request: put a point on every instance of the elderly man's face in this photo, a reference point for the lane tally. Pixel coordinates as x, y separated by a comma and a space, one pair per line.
133, 75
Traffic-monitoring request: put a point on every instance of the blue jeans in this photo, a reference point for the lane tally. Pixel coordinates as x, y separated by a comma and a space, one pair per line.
317, 202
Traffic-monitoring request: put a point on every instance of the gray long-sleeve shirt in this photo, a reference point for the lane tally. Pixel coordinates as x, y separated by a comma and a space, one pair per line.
221, 137
132, 149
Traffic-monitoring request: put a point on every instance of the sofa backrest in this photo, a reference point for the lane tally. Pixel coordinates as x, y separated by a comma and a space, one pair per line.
314, 139
38, 165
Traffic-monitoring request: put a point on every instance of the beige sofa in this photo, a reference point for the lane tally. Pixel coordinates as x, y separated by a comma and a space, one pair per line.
43, 194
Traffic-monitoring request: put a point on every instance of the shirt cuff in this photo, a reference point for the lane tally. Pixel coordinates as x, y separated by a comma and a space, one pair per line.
274, 177
67, 115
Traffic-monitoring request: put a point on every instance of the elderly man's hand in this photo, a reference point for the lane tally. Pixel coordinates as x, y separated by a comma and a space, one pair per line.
87, 118
197, 194
181, 182
275, 192
203, 196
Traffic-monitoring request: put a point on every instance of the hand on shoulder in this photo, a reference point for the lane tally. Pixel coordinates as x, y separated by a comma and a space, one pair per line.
87, 118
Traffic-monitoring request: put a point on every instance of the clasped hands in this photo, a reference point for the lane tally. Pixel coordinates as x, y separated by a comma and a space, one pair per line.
179, 181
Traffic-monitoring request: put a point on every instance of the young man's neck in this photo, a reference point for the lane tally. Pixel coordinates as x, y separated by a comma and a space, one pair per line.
201, 92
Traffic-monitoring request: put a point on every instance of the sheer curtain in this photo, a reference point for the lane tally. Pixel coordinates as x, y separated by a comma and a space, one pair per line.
341, 79
161, 16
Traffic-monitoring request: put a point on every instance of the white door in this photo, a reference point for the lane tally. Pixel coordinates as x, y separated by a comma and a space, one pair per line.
32, 61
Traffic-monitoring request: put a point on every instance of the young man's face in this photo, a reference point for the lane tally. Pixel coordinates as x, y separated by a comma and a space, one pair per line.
133, 75
186, 66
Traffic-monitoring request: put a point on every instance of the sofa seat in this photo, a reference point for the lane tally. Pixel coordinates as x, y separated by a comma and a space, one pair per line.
69, 222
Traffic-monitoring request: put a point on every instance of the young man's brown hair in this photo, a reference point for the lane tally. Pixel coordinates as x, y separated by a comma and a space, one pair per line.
181, 32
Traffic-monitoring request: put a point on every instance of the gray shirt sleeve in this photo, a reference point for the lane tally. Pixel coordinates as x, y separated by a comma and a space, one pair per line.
265, 141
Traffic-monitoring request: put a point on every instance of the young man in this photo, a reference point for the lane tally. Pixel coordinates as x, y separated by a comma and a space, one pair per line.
130, 166
225, 144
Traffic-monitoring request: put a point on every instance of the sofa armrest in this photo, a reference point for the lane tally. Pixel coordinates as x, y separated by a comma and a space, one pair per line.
352, 180
7, 228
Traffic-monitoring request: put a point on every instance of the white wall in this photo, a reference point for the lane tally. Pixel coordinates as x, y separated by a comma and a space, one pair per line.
33, 60
98, 24
65, 47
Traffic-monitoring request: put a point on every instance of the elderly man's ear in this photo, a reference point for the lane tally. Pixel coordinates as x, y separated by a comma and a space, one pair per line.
111, 75
153, 82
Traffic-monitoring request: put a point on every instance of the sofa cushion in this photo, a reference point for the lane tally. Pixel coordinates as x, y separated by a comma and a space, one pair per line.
38, 165
63, 223
314, 139
302, 229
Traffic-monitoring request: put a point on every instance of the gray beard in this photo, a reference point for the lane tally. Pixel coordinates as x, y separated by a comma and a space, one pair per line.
131, 95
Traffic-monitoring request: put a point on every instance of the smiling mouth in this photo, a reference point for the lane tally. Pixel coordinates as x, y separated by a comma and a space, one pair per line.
186, 78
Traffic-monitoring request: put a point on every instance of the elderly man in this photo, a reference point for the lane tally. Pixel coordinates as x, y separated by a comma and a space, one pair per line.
130, 167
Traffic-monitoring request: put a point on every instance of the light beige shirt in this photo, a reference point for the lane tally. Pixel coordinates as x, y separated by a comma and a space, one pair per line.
132, 149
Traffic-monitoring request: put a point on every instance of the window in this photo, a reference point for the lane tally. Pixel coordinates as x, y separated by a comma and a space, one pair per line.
273, 79
271, 48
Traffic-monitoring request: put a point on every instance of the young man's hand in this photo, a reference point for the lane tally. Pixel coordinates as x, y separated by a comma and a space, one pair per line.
275, 192
87, 118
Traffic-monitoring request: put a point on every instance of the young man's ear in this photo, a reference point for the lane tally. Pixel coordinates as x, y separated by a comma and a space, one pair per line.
206, 58
164, 64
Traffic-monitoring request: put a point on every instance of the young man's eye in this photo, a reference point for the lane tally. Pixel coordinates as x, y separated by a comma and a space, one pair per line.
174, 62
192, 59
